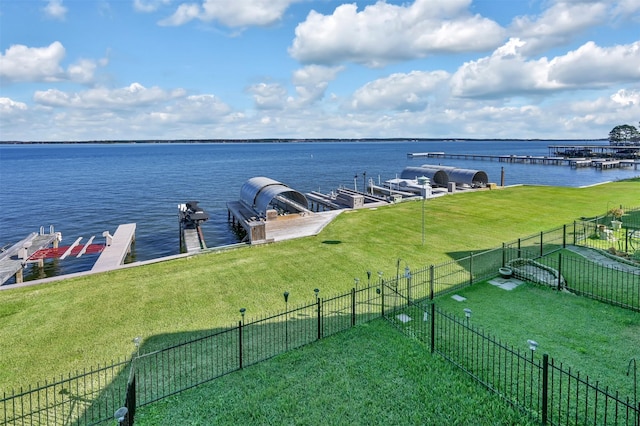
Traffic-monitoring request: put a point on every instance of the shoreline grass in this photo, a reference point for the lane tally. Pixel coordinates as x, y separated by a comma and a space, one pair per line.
69, 325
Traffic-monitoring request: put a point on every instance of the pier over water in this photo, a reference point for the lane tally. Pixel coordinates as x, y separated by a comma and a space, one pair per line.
597, 156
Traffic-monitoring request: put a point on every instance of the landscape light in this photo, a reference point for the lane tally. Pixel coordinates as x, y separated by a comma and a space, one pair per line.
120, 414
316, 291
533, 345
467, 313
136, 341
242, 311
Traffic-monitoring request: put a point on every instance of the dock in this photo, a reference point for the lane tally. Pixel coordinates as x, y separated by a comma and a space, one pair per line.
190, 218
117, 248
575, 162
16, 257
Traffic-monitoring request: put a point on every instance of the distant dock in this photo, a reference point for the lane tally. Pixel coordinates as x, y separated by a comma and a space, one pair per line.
600, 163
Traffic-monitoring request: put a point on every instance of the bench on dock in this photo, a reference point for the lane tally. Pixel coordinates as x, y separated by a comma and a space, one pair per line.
116, 251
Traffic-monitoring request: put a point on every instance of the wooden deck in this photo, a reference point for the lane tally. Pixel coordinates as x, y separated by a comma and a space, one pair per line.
295, 226
15, 257
115, 253
285, 227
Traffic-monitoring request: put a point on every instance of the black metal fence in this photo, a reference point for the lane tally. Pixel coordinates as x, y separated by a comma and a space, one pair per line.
615, 285
91, 397
87, 397
538, 385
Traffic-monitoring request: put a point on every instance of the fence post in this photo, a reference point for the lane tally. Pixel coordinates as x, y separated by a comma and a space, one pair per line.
431, 279
433, 327
541, 243
564, 236
519, 248
382, 289
319, 320
545, 387
353, 307
240, 344
408, 289
470, 267
574, 233
559, 271
504, 254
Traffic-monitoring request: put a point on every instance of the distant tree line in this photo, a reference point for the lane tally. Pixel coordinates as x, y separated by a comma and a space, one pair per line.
624, 134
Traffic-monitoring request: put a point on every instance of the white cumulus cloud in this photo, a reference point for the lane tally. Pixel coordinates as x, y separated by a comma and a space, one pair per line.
236, 13
102, 98
509, 73
400, 91
55, 10
22, 63
9, 106
268, 95
382, 33
312, 81
147, 6
558, 24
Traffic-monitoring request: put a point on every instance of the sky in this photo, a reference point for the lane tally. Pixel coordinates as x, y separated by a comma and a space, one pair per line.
248, 69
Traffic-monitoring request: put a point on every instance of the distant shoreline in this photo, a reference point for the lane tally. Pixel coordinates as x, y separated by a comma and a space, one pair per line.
290, 140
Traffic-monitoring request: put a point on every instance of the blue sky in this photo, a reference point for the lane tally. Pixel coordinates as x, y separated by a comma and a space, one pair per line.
237, 69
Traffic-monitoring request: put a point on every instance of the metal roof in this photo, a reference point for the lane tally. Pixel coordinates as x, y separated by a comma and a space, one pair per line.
262, 194
436, 176
461, 176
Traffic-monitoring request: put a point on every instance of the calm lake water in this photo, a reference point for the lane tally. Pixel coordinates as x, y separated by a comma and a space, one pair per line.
85, 189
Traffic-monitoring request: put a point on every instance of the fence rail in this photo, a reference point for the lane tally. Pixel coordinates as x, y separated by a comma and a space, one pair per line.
538, 385
91, 397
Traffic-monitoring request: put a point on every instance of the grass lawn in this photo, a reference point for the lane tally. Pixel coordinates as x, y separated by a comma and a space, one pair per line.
591, 337
368, 375
61, 327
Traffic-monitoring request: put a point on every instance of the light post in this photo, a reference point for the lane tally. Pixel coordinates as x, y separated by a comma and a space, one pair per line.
120, 415
286, 321
407, 275
467, 313
136, 341
242, 311
356, 281
316, 291
423, 180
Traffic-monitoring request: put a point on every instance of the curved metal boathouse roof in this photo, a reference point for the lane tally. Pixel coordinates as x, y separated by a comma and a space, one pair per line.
436, 177
454, 174
262, 194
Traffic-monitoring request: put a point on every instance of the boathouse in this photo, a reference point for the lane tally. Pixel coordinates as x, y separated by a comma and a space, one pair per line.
266, 197
437, 177
443, 175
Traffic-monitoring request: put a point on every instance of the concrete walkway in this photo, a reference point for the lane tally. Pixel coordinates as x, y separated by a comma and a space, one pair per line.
602, 259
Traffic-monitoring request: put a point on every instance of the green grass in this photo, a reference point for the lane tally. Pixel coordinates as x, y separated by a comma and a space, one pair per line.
591, 337
368, 375
65, 326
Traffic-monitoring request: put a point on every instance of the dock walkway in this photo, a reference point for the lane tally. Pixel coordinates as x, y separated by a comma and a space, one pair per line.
575, 162
117, 249
23, 250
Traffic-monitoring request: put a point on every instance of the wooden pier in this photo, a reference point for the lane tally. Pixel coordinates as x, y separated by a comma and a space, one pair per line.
117, 248
274, 227
601, 163
16, 257
190, 219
